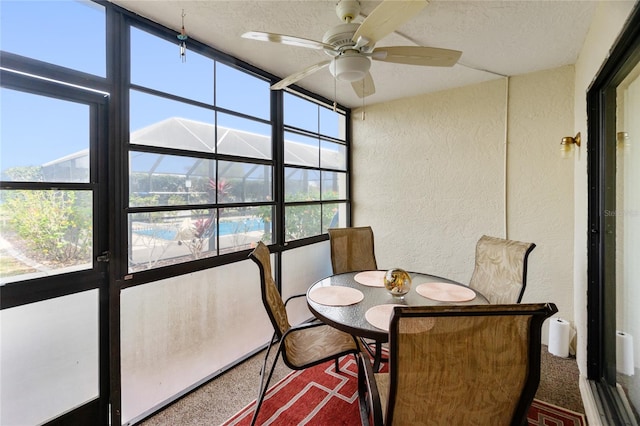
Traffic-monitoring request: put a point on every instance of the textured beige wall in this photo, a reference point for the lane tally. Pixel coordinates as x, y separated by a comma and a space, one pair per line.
426, 177
540, 187
429, 176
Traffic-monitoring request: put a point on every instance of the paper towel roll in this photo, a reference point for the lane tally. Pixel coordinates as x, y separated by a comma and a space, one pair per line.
624, 353
559, 331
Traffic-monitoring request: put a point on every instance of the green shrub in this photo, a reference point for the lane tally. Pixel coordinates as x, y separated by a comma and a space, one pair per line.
55, 224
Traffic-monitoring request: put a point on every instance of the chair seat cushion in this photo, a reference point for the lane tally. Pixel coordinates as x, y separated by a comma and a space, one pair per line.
315, 344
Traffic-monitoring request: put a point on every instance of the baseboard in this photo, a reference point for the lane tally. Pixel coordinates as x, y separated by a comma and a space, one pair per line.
591, 410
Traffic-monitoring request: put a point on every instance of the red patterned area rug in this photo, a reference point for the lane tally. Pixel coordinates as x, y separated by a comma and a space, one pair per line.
321, 396
544, 414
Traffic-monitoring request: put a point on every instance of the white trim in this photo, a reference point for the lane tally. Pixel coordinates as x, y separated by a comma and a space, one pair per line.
589, 402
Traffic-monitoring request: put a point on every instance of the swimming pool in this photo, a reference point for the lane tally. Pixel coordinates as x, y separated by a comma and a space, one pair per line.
225, 228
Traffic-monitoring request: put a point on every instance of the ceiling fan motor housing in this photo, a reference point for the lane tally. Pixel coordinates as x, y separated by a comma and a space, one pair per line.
340, 36
350, 66
348, 63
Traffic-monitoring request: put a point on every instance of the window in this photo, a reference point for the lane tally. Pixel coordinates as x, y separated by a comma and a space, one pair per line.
200, 146
315, 178
154, 65
200, 157
46, 218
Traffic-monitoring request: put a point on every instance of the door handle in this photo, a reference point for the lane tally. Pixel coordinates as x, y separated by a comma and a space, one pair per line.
104, 257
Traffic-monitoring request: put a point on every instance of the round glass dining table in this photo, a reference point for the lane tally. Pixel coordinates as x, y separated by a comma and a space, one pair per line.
352, 318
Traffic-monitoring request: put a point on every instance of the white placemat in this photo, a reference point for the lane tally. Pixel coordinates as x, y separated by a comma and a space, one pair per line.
379, 316
446, 292
336, 296
371, 278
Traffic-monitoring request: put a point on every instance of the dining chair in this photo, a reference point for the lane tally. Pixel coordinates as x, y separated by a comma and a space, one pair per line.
458, 365
301, 346
352, 249
500, 271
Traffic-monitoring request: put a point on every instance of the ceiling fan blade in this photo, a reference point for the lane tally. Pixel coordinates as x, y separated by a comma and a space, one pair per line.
385, 18
364, 87
417, 55
287, 39
288, 81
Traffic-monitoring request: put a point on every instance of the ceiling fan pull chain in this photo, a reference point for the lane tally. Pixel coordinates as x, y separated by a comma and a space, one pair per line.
335, 96
363, 99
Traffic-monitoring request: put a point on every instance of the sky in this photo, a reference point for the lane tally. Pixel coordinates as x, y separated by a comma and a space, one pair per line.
35, 129
52, 33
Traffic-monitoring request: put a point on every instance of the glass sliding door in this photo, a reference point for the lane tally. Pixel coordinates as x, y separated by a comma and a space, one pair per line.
613, 105
627, 217
53, 229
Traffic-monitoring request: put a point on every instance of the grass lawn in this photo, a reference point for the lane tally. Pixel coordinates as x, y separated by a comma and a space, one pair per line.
10, 267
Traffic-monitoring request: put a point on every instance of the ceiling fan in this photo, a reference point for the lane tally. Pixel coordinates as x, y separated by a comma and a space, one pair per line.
351, 45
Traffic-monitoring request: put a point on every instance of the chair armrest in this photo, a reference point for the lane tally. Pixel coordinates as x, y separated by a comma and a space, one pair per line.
293, 297
313, 320
305, 325
368, 394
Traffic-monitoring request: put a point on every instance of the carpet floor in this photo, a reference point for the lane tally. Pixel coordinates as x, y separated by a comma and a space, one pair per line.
217, 401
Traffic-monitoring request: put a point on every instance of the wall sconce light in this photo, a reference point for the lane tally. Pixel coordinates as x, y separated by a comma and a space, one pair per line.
624, 141
566, 146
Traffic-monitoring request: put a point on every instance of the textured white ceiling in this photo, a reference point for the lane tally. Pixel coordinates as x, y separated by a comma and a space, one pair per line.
497, 38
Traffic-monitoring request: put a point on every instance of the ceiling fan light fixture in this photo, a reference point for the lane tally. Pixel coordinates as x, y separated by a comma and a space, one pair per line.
350, 66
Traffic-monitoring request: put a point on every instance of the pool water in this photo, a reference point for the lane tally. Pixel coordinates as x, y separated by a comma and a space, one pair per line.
225, 228
246, 225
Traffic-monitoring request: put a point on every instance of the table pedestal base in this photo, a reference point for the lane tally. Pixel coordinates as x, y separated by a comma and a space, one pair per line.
375, 353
